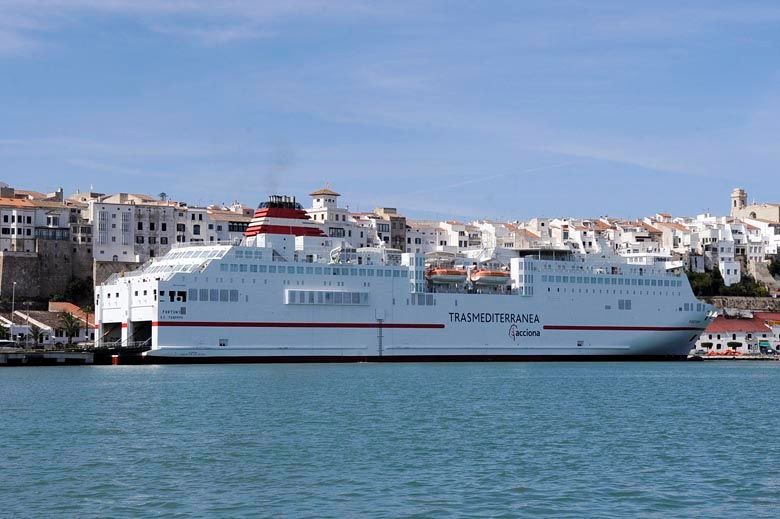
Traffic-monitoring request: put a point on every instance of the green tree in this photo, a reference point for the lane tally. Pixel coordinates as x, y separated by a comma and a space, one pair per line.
35, 334
71, 325
774, 266
87, 309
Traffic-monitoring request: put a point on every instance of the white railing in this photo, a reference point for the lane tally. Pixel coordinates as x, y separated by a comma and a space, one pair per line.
226, 243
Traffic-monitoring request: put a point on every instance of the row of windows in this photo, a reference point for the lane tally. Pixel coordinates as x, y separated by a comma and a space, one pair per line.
14, 219
152, 240
163, 226
327, 271
614, 281
734, 336
12, 231
214, 295
624, 304
325, 297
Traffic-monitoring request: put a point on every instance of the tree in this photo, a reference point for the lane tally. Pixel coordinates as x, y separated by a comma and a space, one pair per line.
163, 196
71, 325
3, 332
35, 333
87, 309
774, 266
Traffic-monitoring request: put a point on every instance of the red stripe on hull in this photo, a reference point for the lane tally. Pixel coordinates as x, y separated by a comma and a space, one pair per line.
623, 328
294, 325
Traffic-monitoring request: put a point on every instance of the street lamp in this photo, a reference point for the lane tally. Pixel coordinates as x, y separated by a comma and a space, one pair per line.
13, 306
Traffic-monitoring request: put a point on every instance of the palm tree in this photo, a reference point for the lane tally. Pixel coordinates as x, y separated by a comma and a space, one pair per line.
71, 325
163, 196
35, 333
87, 309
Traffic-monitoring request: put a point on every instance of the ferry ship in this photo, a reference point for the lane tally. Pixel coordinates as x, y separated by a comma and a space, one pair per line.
288, 292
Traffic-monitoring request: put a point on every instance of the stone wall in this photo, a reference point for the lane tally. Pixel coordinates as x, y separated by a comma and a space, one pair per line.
762, 304
22, 268
46, 272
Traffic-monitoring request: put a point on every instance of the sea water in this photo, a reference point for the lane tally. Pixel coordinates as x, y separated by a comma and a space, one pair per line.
392, 440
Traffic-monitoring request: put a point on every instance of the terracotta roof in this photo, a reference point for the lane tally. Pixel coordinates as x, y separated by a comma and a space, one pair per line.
16, 202
649, 228
724, 325
228, 216
29, 193
673, 225
324, 192
767, 316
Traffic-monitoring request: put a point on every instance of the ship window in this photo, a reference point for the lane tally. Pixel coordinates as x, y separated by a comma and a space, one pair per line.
628, 304
291, 270
404, 273
396, 273
318, 270
224, 295
234, 296
193, 294
242, 268
213, 294
252, 268
338, 297
272, 269
353, 272
262, 268
311, 298
239, 254
355, 298
309, 270
319, 297
223, 267
362, 272
204, 294
380, 273
429, 299
327, 271
621, 304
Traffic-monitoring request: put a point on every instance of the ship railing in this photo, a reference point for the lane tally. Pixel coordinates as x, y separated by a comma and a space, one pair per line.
128, 273
224, 243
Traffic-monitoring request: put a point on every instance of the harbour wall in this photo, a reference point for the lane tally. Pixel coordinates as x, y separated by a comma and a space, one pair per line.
759, 304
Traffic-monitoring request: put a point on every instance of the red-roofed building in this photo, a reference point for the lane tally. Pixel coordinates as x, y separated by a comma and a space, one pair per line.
743, 335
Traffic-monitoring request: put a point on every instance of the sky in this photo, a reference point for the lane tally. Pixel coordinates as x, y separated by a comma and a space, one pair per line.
443, 109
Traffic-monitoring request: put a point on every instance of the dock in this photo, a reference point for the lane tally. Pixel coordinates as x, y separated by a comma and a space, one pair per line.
45, 358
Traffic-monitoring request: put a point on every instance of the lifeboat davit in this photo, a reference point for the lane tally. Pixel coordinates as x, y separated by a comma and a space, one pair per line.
490, 278
441, 276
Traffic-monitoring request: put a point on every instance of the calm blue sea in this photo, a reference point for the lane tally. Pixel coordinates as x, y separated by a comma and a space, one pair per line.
392, 440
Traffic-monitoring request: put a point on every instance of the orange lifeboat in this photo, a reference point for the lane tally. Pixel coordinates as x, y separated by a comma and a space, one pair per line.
490, 277
444, 276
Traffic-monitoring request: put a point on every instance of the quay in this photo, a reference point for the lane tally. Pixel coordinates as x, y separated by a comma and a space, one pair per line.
45, 358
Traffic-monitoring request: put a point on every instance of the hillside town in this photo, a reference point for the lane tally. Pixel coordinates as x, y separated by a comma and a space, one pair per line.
54, 248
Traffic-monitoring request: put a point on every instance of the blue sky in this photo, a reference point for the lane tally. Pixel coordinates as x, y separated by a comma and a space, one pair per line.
470, 109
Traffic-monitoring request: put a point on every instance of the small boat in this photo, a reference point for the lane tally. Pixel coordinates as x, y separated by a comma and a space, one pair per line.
490, 277
445, 276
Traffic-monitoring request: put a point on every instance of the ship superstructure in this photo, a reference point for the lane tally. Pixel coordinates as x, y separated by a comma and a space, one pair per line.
290, 292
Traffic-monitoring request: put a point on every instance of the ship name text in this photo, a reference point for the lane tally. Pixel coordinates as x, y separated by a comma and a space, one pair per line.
492, 317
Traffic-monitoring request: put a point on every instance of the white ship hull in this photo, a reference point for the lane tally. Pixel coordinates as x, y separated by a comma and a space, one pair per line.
266, 319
